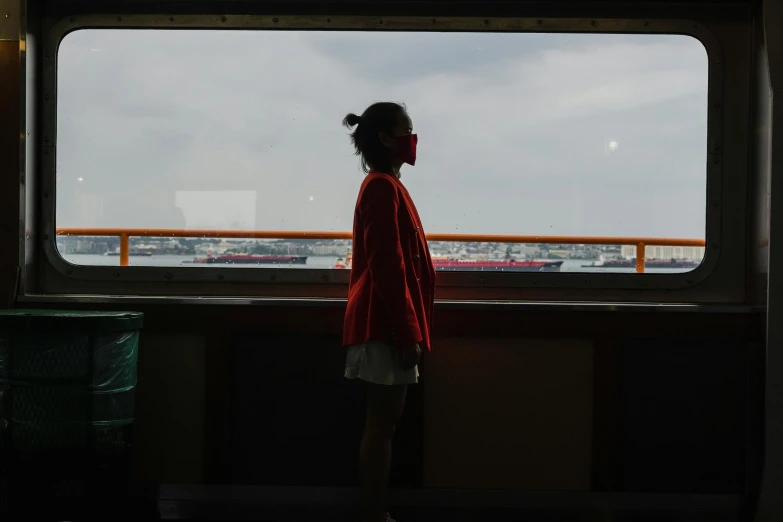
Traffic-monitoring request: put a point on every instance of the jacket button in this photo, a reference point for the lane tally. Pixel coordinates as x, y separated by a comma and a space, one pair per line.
416, 256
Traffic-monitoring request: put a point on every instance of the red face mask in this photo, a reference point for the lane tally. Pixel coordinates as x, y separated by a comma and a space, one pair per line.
406, 148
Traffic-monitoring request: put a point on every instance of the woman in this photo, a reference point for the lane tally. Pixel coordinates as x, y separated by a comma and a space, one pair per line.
391, 292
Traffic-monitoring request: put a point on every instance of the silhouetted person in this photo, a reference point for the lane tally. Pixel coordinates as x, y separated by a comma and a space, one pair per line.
391, 292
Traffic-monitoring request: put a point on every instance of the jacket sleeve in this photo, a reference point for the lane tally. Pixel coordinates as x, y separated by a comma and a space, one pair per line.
379, 205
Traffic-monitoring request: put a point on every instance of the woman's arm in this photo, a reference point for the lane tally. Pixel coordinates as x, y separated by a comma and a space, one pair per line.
379, 205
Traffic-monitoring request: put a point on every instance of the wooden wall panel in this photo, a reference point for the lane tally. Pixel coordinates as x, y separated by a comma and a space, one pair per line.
169, 429
508, 414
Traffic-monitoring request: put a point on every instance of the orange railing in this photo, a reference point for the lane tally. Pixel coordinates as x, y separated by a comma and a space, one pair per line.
126, 233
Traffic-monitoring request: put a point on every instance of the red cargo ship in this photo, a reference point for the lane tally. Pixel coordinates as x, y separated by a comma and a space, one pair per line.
475, 265
500, 265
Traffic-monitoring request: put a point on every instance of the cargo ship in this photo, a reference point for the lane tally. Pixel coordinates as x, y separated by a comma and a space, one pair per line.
478, 265
648, 263
252, 259
499, 265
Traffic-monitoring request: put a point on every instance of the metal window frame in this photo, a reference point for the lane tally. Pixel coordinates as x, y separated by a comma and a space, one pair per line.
460, 284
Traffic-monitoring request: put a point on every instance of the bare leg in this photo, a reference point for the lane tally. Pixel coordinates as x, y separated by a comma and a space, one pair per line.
384, 409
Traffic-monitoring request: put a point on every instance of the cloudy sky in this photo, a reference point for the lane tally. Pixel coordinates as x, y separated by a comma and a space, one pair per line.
518, 133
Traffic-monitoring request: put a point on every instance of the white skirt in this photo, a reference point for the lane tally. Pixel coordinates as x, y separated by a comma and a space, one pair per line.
378, 363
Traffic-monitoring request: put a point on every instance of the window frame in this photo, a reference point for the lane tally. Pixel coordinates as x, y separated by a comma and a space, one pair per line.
460, 283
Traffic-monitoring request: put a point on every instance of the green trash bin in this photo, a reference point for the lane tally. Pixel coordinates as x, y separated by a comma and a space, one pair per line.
67, 389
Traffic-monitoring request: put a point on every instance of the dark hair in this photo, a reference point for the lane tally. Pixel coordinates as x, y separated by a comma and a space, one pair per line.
377, 118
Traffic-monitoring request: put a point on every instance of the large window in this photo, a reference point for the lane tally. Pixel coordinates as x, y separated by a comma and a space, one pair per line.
581, 136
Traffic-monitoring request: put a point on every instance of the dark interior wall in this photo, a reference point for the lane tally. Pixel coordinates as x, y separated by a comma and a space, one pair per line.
489, 413
685, 410
618, 403
508, 414
10, 118
761, 164
294, 419
170, 414
770, 501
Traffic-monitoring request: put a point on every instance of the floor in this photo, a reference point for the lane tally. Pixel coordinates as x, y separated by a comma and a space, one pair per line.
270, 504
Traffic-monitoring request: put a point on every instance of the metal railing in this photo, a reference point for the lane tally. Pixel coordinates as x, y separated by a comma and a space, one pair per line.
126, 233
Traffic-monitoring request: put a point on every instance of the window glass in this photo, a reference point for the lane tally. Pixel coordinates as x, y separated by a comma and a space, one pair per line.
527, 134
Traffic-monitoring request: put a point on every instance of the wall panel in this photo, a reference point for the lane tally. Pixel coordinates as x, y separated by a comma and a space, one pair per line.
508, 414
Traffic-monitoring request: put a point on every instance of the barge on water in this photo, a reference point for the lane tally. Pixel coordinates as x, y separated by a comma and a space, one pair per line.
251, 259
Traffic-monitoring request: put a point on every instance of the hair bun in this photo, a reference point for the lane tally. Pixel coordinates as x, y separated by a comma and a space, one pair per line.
351, 120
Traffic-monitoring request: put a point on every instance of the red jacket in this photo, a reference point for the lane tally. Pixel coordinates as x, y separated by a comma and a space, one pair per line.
392, 287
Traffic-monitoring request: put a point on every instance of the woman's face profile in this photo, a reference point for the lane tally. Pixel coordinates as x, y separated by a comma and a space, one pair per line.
403, 127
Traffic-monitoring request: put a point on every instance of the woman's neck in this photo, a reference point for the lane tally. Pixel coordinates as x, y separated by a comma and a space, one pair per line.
391, 171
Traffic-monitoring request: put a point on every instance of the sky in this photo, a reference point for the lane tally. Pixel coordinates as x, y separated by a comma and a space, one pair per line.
552, 134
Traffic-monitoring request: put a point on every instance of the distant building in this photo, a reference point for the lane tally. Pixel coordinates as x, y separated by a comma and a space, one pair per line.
526, 251
214, 248
330, 250
560, 253
665, 252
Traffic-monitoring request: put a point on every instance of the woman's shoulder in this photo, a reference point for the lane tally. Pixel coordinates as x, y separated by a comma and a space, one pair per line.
378, 181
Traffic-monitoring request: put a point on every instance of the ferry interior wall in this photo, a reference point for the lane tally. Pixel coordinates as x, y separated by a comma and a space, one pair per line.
137, 391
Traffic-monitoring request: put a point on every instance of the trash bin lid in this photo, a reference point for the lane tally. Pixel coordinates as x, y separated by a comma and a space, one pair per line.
52, 320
